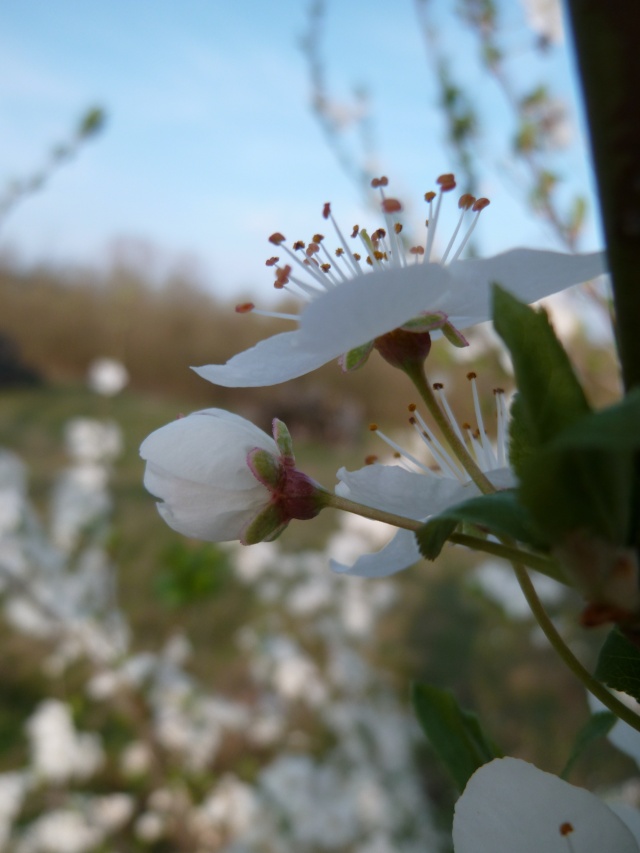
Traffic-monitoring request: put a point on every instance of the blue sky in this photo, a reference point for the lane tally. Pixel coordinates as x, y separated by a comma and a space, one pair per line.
210, 144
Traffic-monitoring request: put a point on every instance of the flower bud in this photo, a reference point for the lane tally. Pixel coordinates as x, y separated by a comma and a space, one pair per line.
221, 478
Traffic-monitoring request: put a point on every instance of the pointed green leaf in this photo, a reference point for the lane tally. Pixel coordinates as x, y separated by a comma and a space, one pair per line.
569, 490
597, 726
551, 396
500, 512
522, 443
615, 428
619, 664
456, 735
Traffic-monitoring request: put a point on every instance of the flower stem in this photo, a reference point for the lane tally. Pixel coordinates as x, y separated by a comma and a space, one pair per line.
338, 502
565, 653
533, 561
419, 379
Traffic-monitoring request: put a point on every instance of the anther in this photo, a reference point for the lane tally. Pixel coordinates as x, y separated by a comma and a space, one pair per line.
244, 307
326, 210
277, 238
397, 227
472, 375
447, 182
371, 459
356, 231
566, 828
312, 249
373, 427
325, 267
412, 407
466, 201
271, 262
417, 250
299, 244
438, 386
379, 182
391, 205
480, 204
318, 238
429, 196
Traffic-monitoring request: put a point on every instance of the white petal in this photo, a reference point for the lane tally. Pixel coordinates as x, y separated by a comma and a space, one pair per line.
399, 554
530, 274
370, 305
271, 361
394, 489
367, 306
209, 446
509, 804
622, 736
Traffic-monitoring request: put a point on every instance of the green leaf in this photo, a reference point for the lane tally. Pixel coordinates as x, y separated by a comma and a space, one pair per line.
521, 442
456, 735
615, 428
501, 512
551, 396
619, 664
597, 726
569, 490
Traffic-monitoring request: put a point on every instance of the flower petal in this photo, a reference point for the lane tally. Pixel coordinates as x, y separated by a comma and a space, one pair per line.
622, 736
399, 554
271, 361
370, 305
509, 804
394, 489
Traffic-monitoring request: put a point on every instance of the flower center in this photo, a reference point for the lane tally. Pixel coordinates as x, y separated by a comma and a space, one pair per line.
488, 456
310, 269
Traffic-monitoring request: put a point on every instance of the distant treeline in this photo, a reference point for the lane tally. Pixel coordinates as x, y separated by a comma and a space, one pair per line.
61, 320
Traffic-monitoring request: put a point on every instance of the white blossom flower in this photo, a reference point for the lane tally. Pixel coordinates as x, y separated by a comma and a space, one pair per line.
348, 308
58, 752
509, 804
107, 376
221, 478
418, 491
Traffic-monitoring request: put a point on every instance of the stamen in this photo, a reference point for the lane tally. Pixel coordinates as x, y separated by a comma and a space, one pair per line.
442, 457
404, 454
465, 203
439, 388
566, 830
503, 418
250, 308
478, 206
326, 212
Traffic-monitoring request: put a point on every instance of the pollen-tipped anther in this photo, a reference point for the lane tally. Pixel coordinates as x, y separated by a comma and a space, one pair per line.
245, 308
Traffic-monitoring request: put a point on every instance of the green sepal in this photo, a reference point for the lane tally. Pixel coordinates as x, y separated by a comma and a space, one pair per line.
265, 467
356, 357
282, 438
500, 512
550, 393
455, 734
597, 726
265, 527
619, 664
426, 322
454, 336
